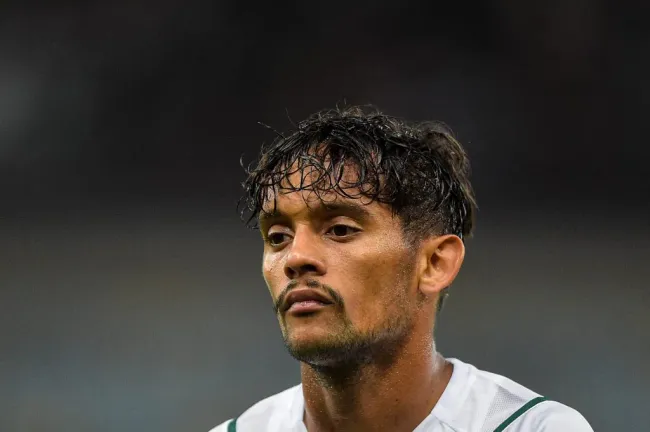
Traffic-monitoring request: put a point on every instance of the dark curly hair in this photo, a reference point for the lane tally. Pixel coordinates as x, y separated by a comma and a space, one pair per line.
419, 169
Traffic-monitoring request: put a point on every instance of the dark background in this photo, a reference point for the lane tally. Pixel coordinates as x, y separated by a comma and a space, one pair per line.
130, 293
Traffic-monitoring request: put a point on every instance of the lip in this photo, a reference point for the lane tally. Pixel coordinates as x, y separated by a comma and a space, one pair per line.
305, 300
304, 307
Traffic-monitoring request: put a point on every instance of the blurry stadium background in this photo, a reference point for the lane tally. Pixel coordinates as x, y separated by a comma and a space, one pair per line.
130, 293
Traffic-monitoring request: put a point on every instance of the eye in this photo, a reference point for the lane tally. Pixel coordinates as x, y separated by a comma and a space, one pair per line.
276, 238
342, 230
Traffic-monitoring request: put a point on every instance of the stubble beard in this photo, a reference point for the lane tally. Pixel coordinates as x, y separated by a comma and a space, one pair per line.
350, 348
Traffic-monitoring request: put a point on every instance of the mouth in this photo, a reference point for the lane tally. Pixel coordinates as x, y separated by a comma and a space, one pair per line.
306, 307
305, 301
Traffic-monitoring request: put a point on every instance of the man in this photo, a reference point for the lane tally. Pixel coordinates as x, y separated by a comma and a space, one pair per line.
364, 219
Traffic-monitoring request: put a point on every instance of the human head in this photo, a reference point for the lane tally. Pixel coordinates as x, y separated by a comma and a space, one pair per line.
412, 176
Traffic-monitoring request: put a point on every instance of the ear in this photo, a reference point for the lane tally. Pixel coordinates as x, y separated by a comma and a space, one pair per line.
440, 260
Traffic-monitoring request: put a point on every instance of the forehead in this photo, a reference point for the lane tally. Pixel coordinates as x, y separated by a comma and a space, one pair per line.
288, 203
321, 187
310, 204
317, 184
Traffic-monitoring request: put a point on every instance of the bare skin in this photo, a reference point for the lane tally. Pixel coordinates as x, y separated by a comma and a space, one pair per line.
368, 360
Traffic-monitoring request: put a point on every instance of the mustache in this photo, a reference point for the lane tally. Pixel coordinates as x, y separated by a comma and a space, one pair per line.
310, 283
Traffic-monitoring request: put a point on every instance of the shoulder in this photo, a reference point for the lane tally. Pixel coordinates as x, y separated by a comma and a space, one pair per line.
277, 409
534, 412
551, 416
490, 401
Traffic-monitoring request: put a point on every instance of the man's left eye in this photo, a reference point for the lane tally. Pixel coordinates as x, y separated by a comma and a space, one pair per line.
342, 230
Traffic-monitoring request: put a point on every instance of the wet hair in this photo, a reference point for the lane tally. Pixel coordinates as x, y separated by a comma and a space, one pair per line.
418, 169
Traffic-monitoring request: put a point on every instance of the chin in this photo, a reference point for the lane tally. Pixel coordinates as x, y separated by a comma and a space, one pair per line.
312, 353
326, 350
310, 346
305, 339
331, 346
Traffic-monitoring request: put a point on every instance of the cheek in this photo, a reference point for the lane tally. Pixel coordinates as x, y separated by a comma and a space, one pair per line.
374, 283
380, 264
272, 271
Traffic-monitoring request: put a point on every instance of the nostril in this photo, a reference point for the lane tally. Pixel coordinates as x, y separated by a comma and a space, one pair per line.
296, 271
308, 268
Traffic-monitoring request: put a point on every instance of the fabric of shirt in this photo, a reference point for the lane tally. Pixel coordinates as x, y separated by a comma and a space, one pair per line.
473, 401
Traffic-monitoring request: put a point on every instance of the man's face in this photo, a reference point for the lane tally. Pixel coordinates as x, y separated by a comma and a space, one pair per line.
354, 254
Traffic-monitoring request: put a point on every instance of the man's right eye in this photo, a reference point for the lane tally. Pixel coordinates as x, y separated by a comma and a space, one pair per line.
275, 239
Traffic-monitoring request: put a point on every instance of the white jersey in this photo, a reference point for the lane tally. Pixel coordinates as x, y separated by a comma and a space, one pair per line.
474, 401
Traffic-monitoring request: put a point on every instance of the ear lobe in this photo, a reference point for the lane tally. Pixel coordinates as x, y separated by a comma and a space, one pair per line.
442, 258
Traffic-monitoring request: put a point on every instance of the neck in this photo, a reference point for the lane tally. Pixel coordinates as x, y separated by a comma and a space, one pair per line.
395, 394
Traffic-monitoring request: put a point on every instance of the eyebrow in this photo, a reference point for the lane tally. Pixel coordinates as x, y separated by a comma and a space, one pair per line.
355, 211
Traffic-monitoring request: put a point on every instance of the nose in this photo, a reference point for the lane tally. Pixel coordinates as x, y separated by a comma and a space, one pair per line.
304, 257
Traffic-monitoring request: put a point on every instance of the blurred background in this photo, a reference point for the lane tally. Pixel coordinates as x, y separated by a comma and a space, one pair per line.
131, 297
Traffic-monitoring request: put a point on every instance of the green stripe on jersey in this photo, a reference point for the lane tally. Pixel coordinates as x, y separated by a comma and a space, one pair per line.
519, 413
232, 426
